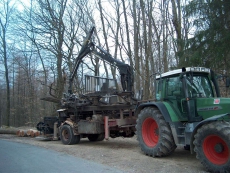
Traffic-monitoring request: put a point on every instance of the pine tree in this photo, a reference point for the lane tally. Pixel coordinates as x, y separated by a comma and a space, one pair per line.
210, 44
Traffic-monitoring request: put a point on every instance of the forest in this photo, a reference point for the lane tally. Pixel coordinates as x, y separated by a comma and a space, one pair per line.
40, 40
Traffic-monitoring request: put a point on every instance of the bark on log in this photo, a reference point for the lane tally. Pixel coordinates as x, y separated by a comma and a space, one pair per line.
8, 131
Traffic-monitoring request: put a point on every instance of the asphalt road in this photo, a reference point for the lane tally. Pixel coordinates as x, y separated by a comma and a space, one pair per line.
24, 158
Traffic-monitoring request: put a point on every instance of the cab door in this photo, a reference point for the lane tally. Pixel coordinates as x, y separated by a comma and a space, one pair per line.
174, 95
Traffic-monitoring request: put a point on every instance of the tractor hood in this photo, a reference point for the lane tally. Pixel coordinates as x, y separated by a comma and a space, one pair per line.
208, 107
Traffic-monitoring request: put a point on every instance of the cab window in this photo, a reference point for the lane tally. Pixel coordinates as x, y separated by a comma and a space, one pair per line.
174, 87
200, 87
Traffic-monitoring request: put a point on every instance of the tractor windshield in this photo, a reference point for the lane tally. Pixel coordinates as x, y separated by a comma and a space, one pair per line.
172, 88
199, 86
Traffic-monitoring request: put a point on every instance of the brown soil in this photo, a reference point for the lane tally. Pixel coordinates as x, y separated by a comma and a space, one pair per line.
120, 153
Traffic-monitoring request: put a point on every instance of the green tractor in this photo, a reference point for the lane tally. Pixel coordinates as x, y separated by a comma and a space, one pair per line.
188, 111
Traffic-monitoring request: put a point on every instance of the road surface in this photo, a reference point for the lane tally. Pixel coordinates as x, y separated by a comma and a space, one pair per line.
122, 154
24, 158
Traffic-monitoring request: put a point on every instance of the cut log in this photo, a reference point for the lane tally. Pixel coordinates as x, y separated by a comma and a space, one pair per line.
37, 133
23, 133
34, 133
28, 132
8, 131
18, 133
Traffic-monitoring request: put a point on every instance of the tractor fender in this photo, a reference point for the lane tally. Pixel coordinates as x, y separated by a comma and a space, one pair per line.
159, 105
71, 124
208, 120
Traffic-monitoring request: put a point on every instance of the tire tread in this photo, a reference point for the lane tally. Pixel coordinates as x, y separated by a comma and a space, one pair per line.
221, 128
166, 144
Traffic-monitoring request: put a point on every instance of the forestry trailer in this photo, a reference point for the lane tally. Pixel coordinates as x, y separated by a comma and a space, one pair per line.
188, 110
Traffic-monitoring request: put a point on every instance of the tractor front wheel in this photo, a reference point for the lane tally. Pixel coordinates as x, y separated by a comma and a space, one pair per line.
212, 146
67, 136
154, 133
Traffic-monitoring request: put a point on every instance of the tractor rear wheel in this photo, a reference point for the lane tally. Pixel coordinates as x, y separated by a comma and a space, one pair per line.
67, 136
212, 146
153, 133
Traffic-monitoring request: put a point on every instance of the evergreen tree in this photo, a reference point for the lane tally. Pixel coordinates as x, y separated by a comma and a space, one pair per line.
210, 43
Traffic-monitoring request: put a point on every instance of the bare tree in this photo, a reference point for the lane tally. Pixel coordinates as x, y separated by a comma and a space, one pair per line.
147, 53
129, 52
54, 26
136, 28
104, 34
45, 21
6, 14
176, 20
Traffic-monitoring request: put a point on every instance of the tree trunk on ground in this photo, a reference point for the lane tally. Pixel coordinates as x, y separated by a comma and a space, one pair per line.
9, 131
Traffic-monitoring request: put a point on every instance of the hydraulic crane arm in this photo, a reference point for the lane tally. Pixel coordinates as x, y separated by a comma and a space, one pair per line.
85, 50
126, 72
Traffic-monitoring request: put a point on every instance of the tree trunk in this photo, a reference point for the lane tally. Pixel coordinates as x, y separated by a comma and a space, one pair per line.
150, 51
5, 59
165, 44
136, 24
127, 33
104, 34
176, 13
146, 75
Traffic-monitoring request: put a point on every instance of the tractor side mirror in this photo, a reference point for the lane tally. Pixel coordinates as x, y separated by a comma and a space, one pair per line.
227, 82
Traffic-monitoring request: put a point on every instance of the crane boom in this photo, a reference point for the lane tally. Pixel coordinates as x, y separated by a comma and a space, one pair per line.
126, 71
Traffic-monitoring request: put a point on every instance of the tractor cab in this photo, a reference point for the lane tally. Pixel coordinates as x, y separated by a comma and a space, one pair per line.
191, 93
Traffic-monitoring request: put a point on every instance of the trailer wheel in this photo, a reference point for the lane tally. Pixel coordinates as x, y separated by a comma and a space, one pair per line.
154, 134
67, 136
101, 137
212, 146
96, 137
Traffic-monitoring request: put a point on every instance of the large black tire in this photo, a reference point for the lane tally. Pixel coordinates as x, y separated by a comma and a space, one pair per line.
67, 136
212, 146
154, 134
96, 137
101, 137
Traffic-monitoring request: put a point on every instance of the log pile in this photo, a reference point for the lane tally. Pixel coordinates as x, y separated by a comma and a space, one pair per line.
19, 132
31, 133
